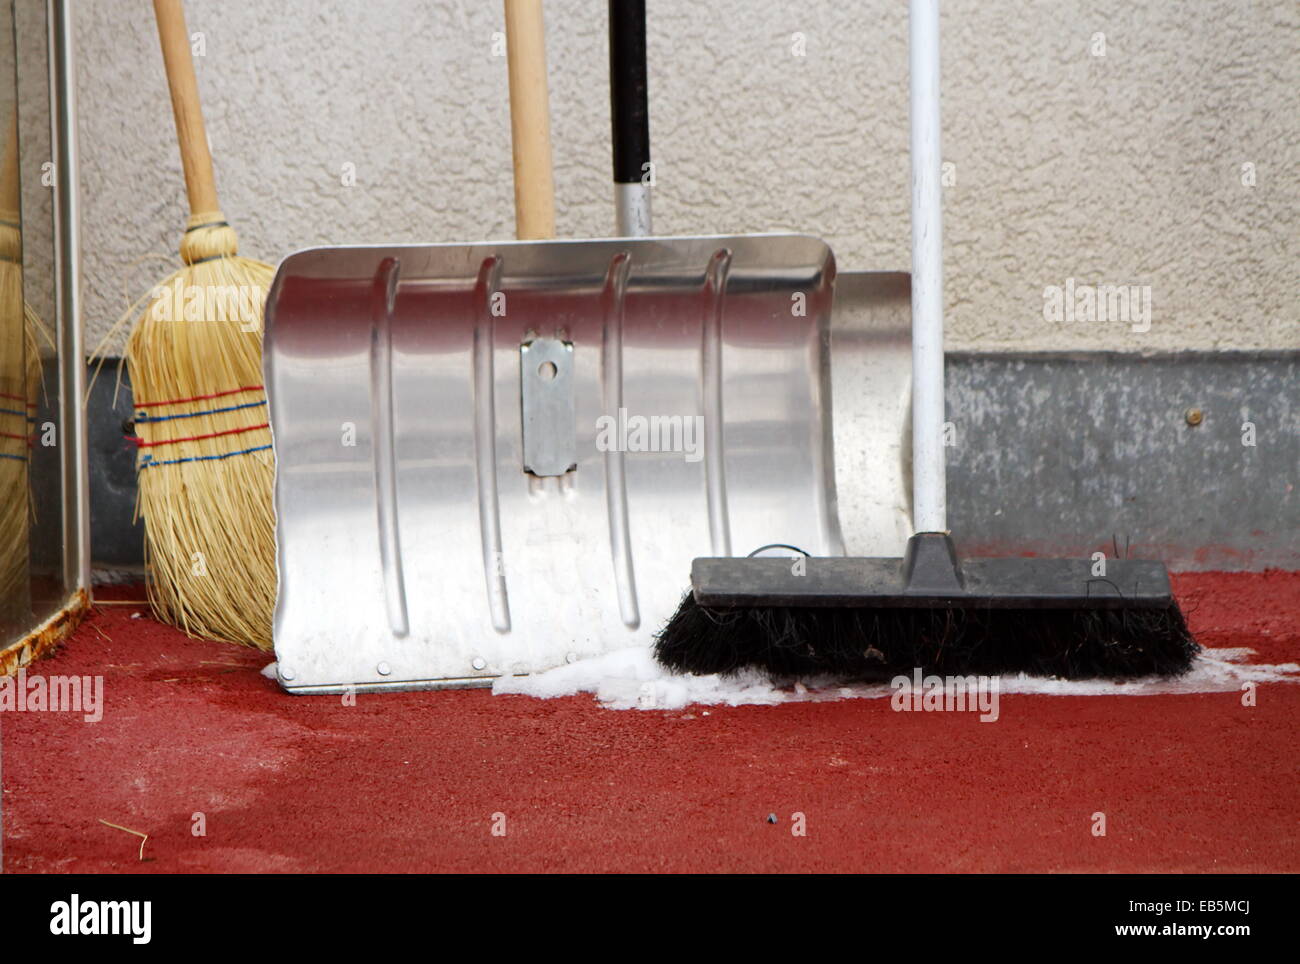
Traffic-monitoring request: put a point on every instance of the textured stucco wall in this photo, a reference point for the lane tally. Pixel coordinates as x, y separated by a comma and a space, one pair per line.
1125, 167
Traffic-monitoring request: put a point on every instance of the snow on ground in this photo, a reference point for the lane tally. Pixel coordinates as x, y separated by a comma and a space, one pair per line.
631, 679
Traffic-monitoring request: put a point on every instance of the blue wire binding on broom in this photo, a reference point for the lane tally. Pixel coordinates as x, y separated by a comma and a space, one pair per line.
148, 461
141, 417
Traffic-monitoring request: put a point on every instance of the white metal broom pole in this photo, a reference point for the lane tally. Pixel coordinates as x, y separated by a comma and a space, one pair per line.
928, 483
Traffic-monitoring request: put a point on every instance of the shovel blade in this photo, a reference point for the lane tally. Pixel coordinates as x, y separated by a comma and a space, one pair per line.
496, 458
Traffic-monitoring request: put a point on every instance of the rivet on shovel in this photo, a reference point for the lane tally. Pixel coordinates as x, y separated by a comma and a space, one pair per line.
384, 669
479, 663
1194, 416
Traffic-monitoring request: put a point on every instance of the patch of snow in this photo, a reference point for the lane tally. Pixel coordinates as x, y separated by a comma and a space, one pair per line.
269, 670
631, 679
1215, 671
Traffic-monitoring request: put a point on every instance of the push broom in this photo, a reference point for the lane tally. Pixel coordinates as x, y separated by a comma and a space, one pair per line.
860, 617
205, 468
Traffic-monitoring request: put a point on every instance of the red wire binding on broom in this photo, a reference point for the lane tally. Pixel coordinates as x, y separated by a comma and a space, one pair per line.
200, 398
141, 443
18, 398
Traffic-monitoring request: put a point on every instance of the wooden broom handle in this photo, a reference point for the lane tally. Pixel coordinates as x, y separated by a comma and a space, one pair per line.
10, 185
530, 121
196, 158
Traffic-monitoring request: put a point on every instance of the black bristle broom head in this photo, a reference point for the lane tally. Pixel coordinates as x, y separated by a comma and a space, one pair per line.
861, 618
861, 642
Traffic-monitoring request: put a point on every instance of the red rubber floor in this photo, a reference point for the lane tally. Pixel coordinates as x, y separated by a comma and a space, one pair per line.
411, 782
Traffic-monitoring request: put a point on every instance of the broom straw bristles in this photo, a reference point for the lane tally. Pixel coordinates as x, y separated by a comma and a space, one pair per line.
206, 471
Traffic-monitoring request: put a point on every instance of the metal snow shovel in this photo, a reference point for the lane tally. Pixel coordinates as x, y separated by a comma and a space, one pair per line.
493, 458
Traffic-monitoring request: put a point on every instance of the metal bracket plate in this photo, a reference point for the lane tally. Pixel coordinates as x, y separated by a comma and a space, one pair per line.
549, 423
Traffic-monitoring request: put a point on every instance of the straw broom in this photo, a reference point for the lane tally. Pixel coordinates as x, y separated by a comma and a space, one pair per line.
205, 469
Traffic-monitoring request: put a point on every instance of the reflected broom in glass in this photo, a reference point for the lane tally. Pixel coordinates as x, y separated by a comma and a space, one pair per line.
20, 376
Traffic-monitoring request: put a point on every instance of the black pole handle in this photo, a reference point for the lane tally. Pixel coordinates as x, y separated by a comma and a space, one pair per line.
628, 98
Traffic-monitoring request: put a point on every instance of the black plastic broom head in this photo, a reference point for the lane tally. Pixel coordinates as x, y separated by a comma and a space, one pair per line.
859, 618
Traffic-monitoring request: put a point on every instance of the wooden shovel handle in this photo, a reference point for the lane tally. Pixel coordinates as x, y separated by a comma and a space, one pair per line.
196, 158
530, 121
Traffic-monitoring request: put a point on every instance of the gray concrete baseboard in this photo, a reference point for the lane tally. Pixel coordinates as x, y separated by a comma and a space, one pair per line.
1064, 454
